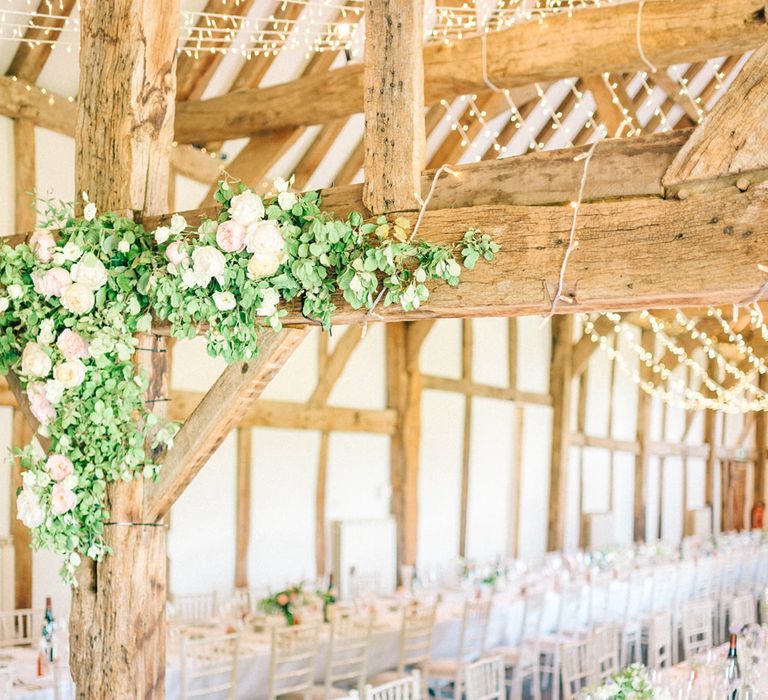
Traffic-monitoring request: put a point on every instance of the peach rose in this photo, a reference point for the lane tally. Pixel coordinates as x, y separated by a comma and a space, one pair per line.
72, 345
59, 467
51, 283
230, 236
176, 253
63, 499
42, 245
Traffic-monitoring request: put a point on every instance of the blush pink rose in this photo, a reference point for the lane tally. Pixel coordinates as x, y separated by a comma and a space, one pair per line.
230, 236
72, 345
176, 254
63, 499
51, 283
59, 467
41, 407
42, 244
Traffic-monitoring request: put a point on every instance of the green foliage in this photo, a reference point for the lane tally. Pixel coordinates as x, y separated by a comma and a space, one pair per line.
111, 278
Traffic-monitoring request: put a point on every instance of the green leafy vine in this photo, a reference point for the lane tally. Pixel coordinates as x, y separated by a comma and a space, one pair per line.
72, 304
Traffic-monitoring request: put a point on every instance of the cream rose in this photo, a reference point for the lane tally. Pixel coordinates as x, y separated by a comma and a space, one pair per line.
178, 224
162, 234
15, 291
72, 345
63, 499
39, 404
89, 212
28, 508
225, 301
90, 272
261, 265
264, 236
54, 390
286, 200
269, 301
70, 374
176, 253
43, 245
208, 262
51, 283
59, 467
47, 332
35, 361
230, 236
246, 208
77, 298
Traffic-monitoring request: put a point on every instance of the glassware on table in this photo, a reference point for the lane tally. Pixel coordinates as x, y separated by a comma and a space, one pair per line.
63, 685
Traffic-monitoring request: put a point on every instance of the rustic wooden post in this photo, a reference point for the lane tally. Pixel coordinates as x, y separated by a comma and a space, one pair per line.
124, 134
643, 437
243, 506
394, 137
560, 375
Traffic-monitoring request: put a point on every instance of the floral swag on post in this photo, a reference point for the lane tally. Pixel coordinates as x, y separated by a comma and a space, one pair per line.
70, 307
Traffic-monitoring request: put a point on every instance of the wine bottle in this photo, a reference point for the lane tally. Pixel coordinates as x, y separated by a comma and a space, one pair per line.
732, 671
48, 628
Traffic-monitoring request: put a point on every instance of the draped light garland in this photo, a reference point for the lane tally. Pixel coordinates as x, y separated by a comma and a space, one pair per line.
741, 396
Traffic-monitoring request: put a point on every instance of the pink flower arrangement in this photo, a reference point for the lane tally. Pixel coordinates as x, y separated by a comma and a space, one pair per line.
63, 499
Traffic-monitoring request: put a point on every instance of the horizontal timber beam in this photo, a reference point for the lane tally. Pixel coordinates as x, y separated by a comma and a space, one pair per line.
486, 391
636, 249
590, 42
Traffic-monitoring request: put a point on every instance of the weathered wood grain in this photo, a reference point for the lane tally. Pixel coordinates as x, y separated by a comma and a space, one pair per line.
592, 41
394, 138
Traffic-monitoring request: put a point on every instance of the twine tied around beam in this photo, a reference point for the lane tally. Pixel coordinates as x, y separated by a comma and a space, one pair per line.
130, 524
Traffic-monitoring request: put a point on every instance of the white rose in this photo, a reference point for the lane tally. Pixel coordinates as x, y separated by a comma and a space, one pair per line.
54, 390
34, 361
28, 508
286, 200
208, 262
71, 251
281, 184
269, 301
90, 272
246, 208
4, 303
178, 223
264, 236
69, 374
162, 234
77, 298
28, 479
225, 301
263, 265
15, 291
47, 334
189, 278
123, 246
89, 212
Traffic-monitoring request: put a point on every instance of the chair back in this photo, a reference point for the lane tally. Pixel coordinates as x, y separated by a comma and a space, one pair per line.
347, 659
6, 676
660, 640
742, 612
663, 587
484, 679
195, 608
576, 667
209, 667
416, 635
697, 627
408, 688
605, 647
292, 660
20, 627
474, 627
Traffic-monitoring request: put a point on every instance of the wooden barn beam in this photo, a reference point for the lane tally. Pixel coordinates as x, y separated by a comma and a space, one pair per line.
21, 436
643, 437
334, 366
560, 387
238, 386
30, 57
589, 42
243, 506
731, 139
394, 138
123, 138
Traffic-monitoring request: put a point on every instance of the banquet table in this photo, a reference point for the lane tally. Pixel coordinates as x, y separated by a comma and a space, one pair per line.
253, 660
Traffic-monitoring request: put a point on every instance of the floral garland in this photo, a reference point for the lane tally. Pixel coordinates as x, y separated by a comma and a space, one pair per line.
70, 307
632, 683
